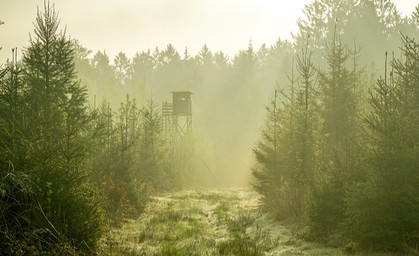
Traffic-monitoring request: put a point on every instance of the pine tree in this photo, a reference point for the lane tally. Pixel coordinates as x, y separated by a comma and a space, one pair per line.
56, 116
339, 112
287, 152
128, 134
382, 211
153, 158
126, 169
269, 172
415, 16
141, 74
307, 116
11, 114
105, 79
122, 69
321, 16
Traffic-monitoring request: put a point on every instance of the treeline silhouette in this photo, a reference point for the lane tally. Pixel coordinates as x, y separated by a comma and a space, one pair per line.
229, 92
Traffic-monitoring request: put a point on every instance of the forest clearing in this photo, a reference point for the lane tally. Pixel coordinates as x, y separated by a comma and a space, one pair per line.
210, 222
306, 144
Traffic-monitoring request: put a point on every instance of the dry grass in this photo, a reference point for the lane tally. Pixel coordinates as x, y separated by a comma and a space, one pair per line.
213, 222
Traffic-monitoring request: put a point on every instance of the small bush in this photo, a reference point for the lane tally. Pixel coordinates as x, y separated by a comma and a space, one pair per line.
17, 199
78, 217
21, 220
383, 220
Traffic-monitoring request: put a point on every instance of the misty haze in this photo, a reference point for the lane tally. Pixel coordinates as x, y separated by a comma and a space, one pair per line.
209, 127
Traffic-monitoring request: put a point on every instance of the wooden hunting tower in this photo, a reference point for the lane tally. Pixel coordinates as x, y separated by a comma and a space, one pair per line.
177, 116
182, 103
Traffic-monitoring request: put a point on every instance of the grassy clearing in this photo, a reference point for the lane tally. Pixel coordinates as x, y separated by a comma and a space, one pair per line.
213, 222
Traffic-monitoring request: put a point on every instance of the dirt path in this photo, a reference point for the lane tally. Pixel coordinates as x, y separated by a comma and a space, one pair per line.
213, 222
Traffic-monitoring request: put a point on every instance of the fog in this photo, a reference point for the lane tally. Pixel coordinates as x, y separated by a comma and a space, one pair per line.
230, 89
132, 26
216, 127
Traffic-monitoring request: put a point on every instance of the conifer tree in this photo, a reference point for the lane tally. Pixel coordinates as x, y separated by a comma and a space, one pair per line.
382, 211
127, 133
122, 69
56, 116
287, 152
11, 114
269, 173
153, 158
339, 112
141, 73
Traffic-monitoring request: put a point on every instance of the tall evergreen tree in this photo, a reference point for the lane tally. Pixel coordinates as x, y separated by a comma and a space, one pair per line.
339, 112
105, 80
287, 152
56, 116
153, 158
141, 75
122, 69
382, 211
11, 113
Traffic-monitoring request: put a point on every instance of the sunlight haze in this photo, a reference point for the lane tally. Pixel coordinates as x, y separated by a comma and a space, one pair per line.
133, 26
209, 127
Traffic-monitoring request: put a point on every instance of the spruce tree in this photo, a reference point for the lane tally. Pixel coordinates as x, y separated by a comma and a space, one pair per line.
153, 158
12, 126
269, 172
383, 210
56, 116
128, 133
339, 112
122, 69
287, 152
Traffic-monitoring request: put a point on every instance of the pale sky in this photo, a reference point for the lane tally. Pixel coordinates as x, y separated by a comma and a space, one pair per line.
132, 26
